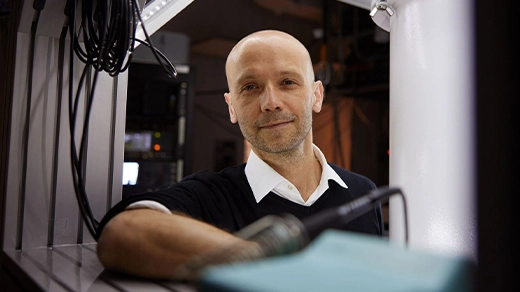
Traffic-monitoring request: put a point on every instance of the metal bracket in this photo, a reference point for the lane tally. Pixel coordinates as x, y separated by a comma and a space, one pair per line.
382, 19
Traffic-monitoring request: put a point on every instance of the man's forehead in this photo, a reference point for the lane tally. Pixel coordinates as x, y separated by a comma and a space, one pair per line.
283, 55
247, 69
271, 39
256, 45
253, 57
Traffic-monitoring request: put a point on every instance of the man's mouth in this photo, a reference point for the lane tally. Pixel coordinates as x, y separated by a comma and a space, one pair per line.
277, 124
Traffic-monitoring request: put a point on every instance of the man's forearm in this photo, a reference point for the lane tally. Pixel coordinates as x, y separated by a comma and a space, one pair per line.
151, 244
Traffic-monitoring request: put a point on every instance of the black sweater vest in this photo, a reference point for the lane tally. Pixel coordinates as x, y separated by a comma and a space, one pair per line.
225, 200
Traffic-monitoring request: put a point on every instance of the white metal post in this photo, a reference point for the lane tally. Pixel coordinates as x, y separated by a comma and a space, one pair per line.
432, 147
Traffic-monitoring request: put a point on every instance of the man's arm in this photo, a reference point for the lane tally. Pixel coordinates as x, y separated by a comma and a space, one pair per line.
152, 244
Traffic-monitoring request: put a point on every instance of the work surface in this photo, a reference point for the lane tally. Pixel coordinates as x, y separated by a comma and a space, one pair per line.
335, 261
75, 268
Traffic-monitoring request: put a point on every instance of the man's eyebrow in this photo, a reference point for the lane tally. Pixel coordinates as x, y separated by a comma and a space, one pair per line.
289, 72
248, 76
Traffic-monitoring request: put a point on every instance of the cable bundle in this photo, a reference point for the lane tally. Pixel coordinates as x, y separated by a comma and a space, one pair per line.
104, 41
107, 31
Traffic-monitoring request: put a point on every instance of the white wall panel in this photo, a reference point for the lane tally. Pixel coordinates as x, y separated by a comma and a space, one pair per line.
103, 175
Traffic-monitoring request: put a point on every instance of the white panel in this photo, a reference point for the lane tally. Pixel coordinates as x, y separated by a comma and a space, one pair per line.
66, 213
99, 145
41, 141
40, 144
103, 177
15, 147
52, 16
119, 118
432, 124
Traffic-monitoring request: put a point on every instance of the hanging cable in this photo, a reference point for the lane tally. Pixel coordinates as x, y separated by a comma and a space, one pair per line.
161, 58
102, 36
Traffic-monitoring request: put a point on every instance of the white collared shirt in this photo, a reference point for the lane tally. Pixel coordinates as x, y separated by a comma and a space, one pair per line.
263, 179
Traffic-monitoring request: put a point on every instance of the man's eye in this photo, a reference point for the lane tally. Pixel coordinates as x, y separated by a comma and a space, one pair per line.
288, 82
249, 87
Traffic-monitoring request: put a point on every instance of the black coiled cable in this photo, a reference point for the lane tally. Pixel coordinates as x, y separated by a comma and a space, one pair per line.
103, 38
105, 35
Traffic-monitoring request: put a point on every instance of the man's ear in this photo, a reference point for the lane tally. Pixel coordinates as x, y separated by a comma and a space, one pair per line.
318, 96
232, 115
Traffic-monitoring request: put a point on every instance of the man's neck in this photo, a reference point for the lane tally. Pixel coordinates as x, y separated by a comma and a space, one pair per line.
300, 167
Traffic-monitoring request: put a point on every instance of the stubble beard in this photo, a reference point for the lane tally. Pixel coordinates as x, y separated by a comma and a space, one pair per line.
283, 143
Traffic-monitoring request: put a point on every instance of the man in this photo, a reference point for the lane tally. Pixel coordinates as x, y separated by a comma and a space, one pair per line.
272, 95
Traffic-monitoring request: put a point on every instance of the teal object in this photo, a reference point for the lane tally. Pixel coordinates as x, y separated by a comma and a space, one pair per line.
345, 261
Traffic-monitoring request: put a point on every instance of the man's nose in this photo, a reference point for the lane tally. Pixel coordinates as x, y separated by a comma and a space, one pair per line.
271, 100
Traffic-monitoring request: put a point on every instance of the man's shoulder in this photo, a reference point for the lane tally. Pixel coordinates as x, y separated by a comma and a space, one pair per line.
230, 172
210, 183
350, 177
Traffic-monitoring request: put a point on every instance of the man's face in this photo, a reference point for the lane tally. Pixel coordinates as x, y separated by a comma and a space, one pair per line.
272, 96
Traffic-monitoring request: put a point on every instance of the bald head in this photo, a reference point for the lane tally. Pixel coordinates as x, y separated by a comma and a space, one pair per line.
268, 42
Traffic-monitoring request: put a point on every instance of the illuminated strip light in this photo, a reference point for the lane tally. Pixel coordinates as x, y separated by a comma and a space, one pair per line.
157, 13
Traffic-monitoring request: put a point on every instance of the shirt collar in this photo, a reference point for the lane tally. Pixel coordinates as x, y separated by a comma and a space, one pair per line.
263, 178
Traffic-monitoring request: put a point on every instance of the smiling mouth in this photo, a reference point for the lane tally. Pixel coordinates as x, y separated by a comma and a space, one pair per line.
274, 125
